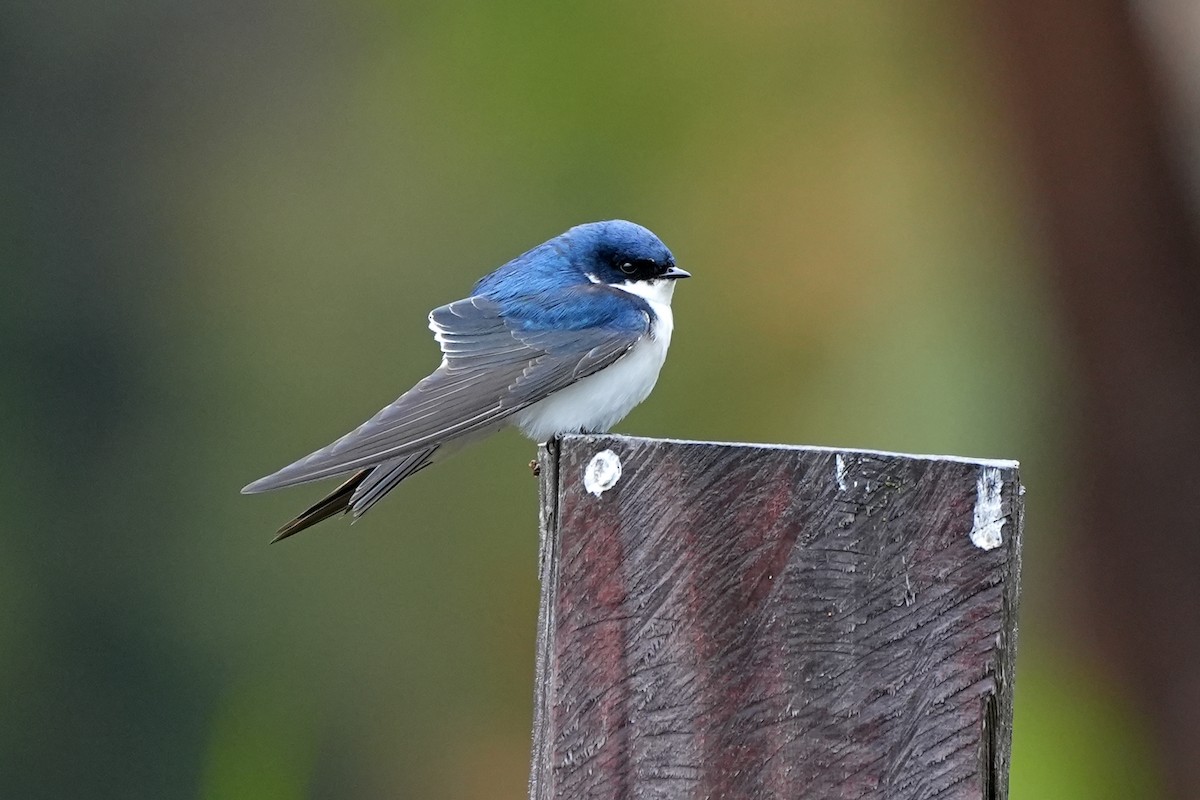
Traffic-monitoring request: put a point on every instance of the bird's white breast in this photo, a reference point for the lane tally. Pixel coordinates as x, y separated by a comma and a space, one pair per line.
599, 401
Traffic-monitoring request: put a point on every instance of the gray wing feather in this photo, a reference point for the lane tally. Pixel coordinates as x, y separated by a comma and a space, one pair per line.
491, 370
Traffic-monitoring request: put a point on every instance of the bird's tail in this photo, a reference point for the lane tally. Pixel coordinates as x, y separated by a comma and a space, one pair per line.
364, 489
336, 502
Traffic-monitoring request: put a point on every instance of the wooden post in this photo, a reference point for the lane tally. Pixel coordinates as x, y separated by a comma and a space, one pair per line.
753, 621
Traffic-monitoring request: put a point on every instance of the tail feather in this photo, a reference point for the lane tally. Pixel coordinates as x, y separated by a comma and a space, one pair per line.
336, 502
385, 477
364, 489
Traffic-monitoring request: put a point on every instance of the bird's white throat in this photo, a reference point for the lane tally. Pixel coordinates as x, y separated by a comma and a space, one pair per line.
658, 294
658, 291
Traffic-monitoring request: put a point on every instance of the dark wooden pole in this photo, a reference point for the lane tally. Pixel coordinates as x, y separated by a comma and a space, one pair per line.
740, 621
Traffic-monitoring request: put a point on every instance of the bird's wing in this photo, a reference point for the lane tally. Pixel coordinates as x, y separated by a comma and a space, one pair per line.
494, 366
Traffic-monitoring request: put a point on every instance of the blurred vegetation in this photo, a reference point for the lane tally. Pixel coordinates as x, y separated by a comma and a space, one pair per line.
223, 225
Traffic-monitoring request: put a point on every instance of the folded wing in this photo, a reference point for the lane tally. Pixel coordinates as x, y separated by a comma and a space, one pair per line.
494, 366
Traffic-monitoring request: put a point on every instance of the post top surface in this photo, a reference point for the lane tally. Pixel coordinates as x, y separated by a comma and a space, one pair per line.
1001, 463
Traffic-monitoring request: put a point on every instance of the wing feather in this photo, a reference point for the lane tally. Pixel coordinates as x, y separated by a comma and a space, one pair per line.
494, 366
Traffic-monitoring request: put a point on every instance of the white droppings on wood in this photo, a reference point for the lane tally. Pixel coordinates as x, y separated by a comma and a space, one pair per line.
840, 471
602, 472
989, 515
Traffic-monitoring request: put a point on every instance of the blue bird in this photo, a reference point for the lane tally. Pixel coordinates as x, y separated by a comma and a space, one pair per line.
565, 338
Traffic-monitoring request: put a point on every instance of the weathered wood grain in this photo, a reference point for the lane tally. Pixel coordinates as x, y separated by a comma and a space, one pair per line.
735, 621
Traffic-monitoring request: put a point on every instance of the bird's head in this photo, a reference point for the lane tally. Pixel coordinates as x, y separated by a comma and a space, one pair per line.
621, 254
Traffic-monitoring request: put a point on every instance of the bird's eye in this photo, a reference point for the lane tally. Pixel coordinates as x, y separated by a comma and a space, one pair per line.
628, 267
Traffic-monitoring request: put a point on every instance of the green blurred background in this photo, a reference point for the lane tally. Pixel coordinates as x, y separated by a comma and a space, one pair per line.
222, 227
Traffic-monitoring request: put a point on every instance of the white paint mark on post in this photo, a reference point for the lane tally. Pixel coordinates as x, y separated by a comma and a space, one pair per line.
602, 472
989, 517
840, 462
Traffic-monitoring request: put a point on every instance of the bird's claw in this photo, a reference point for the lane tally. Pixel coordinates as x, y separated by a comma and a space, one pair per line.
535, 467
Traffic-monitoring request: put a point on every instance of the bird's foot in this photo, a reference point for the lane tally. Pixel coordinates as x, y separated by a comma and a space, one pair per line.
535, 467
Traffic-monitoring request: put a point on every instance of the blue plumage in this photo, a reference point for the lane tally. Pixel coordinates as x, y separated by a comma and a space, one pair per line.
577, 308
596, 249
562, 283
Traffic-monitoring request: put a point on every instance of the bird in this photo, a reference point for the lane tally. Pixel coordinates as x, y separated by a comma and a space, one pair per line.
567, 337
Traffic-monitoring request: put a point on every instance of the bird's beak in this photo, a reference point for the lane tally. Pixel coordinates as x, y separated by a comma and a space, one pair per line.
675, 273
